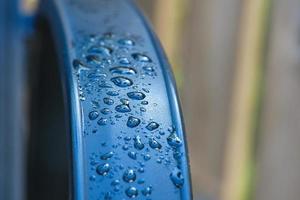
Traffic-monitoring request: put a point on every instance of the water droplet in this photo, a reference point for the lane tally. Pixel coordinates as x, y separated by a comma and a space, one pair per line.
92, 178
174, 141
136, 95
129, 175
105, 51
124, 101
152, 126
93, 115
154, 144
103, 169
126, 42
93, 59
147, 191
105, 111
105, 84
102, 121
123, 108
115, 182
148, 68
123, 70
141, 57
78, 64
121, 81
108, 101
147, 157
124, 61
112, 93
144, 102
131, 192
177, 177
132, 155
133, 122
107, 155
138, 144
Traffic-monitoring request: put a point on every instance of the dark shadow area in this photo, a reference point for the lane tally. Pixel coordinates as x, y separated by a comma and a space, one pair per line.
48, 156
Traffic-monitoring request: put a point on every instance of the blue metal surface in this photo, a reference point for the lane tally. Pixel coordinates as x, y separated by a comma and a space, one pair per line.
127, 134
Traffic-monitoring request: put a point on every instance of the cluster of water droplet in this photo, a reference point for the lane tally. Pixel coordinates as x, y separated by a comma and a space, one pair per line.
116, 68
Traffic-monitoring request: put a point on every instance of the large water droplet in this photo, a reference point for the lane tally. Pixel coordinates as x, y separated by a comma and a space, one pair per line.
121, 81
133, 122
138, 144
174, 141
141, 57
103, 169
123, 108
177, 177
107, 155
129, 175
131, 192
136, 95
154, 144
152, 126
147, 191
93, 115
123, 70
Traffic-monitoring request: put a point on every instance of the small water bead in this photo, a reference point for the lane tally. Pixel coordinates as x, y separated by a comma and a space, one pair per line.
123, 70
152, 126
144, 102
131, 192
115, 182
127, 138
125, 147
154, 144
124, 101
174, 141
177, 155
158, 161
105, 51
107, 155
104, 84
92, 178
93, 115
147, 157
124, 61
132, 155
136, 95
105, 111
141, 170
147, 191
123, 108
112, 93
141, 181
126, 42
108, 101
93, 59
77, 64
140, 57
148, 68
129, 176
142, 109
177, 177
133, 122
103, 169
138, 144
102, 121
121, 81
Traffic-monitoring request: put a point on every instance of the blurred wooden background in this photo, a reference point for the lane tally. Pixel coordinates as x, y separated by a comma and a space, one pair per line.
238, 68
